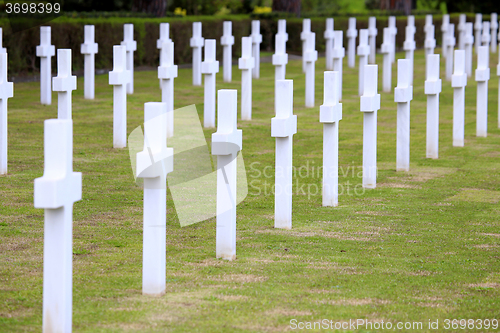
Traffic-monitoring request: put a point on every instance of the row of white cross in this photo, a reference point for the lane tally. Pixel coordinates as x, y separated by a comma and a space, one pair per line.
60, 187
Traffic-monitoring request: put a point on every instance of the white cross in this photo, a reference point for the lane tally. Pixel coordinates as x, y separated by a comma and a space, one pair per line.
369, 104
310, 56
330, 113
164, 35
403, 94
283, 127
432, 90
372, 34
482, 77
282, 33
468, 42
196, 42
246, 63
89, 48
64, 83
226, 143
338, 56
478, 27
209, 67
56, 192
394, 33
2, 49
462, 20
256, 41
329, 36
430, 40
280, 59
386, 50
450, 46
45, 51
130, 45
227, 41
485, 37
494, 28
458, 82
409, 44
352, 33
445, 24
119, 78
428, 22
167, 72
363, 52
306, 30
6, 91
153, 165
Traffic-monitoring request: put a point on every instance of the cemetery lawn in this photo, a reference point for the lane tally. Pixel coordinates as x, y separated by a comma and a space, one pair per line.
423, 245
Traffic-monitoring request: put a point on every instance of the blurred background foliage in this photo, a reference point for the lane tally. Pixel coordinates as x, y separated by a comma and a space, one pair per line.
308, 8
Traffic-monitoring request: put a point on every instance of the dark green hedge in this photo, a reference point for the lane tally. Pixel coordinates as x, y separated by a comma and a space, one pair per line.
68, 33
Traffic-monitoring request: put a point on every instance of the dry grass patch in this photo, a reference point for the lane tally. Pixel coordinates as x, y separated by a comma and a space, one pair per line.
358, 301
240, 278
326, 234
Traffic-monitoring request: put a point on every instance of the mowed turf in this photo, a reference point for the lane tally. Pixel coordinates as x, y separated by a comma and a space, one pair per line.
423, 245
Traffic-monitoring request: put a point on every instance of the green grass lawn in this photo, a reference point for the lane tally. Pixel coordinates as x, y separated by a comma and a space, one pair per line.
423, 245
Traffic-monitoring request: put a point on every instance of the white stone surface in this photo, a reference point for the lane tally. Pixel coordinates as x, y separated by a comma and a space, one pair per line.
450, 47
430, 40
444, 32
394, 33
428, 22
329, 36
227, 41
89, 48
131, 46
310, 56
338, 56
306, 30
164, 35
283, 127
6, 91
330, 113
485, 36
256, 41
153, 165
280, 59
226, 143
494, 29
352, 33
369, 105
64, 83
209, 67
403, 94
372, 38
167, 72
363, 53
56, 192
119, 78
282, 33
386, 50
45, 51
196, 42
246, 63
409, 44
432, 90
468, 42
478, 28
482, 77
462, 20
458, 82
